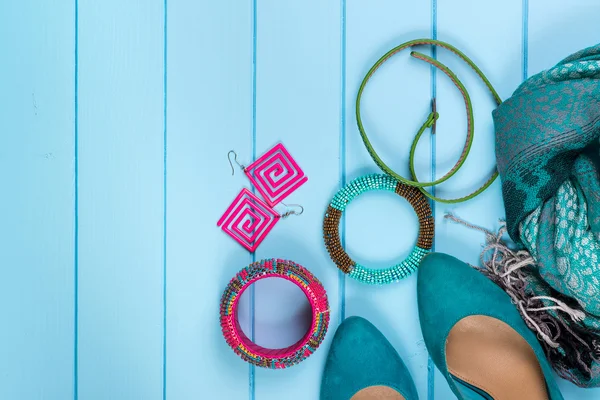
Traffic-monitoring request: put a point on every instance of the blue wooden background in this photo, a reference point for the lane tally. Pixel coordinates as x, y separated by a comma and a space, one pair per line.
115, 120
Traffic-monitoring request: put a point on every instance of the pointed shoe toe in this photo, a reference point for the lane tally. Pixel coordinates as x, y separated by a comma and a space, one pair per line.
362, 364
476, 337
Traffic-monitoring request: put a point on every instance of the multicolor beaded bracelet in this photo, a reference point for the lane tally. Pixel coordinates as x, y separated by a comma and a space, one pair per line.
274, 358
332, 236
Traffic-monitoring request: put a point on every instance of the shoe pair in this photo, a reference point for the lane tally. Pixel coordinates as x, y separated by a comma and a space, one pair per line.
474, 334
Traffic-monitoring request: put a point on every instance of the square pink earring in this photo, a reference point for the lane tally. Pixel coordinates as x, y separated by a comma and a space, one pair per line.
248, 220
275, 174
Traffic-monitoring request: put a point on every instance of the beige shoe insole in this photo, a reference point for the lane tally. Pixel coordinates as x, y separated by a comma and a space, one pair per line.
377, 393
490, 355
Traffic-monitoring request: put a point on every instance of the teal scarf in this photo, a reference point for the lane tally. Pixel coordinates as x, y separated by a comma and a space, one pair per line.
548, 158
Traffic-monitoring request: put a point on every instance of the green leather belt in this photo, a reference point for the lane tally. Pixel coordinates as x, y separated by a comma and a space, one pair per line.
430, 121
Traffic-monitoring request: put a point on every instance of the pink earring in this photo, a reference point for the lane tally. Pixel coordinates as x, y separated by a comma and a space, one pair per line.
275, 174
248, 219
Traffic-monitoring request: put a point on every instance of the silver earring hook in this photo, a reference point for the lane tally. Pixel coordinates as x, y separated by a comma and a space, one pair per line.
236, 161
292, 212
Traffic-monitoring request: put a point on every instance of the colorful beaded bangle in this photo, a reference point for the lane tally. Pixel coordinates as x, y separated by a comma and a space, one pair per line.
332, 236
274, 358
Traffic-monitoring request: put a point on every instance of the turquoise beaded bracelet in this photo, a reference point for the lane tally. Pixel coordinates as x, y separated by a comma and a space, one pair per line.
333, 216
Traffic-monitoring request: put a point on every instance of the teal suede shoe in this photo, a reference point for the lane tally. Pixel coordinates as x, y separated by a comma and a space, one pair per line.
363, 365
477, 338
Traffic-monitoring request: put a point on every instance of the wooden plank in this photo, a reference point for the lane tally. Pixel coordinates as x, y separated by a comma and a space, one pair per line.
556, 30
209, 112
121, 199
298, 104
499, 57
37, 173
380, 228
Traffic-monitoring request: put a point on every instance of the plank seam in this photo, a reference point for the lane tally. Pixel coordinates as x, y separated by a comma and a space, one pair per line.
251, 372
525, 38
76, 211
434, 36
164, 349
341, 275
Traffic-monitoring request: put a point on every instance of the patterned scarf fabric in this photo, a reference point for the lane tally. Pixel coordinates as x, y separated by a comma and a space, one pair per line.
548, 159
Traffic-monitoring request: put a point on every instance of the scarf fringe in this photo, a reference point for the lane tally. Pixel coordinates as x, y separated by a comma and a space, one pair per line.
567, 343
